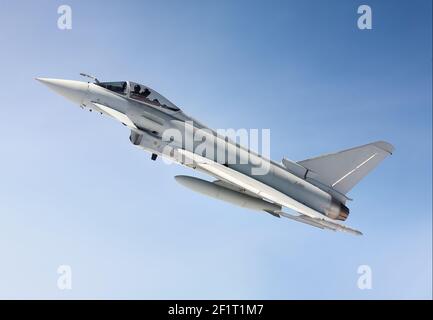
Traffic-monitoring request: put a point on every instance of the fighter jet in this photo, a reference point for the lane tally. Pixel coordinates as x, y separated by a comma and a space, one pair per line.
315, 189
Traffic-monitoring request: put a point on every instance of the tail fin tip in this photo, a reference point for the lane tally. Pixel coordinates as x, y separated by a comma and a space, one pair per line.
385, 146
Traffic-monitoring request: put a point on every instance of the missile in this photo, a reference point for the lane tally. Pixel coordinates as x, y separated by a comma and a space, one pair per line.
320, 223
213, 190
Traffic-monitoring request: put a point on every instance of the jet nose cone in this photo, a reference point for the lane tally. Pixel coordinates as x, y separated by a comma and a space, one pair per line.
70, 89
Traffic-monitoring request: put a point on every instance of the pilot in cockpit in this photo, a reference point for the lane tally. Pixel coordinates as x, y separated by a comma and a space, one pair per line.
146, 93
137, 89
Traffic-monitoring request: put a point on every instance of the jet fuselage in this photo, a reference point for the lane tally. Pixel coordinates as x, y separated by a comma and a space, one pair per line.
157, 125
153, 122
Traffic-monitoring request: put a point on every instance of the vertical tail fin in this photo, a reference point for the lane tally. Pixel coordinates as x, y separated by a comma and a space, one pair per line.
343, 170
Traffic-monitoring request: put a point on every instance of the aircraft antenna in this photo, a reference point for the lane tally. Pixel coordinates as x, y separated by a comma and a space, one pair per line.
89, 76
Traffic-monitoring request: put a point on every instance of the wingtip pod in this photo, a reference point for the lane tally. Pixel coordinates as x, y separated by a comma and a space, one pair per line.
320, 223
339, 227
352, 231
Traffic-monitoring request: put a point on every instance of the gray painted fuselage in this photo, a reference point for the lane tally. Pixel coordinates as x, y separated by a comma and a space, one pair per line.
152, 122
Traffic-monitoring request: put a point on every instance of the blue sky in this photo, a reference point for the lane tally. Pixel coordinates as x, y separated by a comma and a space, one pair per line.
74, 190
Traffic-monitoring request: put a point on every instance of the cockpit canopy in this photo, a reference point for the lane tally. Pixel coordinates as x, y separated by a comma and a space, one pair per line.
118, 87
139, 93
147, 95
